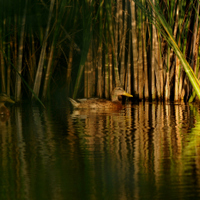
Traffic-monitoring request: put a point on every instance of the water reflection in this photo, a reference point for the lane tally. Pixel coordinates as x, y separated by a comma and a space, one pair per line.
145, 151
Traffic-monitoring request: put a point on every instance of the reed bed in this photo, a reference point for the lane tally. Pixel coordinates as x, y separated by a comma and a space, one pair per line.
86, 48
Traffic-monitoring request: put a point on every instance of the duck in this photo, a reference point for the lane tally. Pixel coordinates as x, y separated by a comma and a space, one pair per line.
4, 111
96, 103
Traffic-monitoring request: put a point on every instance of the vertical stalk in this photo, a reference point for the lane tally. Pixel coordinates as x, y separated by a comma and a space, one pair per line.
32, 59
134, 49
87, 35
8, 71
110, 28
100, 49
90, 77
69, 66
129, 66
20, 55
153, 57
177, 71
167, 88
61, 11
106, 76
48, 72
146, 78
160, 83
195, 57
140, 57
123, 45
177, 65
117, 25
110, 68
182, 73
183, 81
120, 18
8, 50
38, 77
195, 39
86, 79
3, 80
15, 41
99, 81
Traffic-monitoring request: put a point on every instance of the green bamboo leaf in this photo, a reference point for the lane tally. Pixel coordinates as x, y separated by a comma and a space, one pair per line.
166, 31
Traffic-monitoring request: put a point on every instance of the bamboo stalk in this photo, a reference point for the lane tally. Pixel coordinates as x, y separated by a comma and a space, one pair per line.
129, 66
188, 53
100, 49
195, 39
134, 49
106, 76
195, 57
110, 69
118, 30
110, 28
32, 59
99, 82
123, 45
60, 11
182, 73
8, 72
86, 79
93, 72
20, 55
167, 87
87, 35
160, 70
177, 70
9, 53
107, 64
15, 41
183, 78
120, 17
90, 74
3, 81
48, 72
69, 66
38, 78
144, 52
8, 50
153, 56
140, 58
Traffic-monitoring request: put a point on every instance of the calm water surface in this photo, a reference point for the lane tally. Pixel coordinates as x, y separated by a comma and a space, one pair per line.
145, 151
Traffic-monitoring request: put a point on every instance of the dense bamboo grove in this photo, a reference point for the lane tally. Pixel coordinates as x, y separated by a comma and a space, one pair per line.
86, 48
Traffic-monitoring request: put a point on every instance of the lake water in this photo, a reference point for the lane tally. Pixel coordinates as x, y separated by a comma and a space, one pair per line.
145, 151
